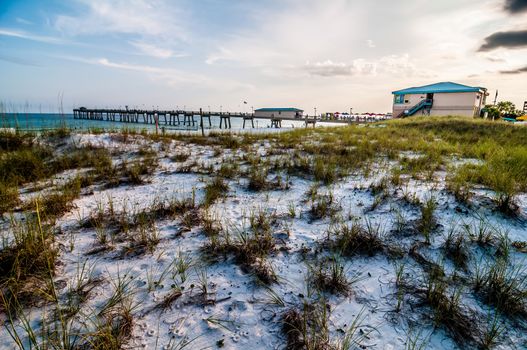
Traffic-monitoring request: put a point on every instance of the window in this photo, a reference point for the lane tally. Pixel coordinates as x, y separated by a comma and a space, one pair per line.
398, 99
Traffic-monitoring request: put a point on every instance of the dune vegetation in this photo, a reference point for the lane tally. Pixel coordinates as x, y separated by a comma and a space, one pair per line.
408, 233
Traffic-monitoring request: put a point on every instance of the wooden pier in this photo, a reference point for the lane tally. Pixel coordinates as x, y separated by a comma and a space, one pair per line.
179, 118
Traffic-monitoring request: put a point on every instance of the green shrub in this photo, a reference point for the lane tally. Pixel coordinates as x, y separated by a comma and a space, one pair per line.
24, 166
10, 141
8, 198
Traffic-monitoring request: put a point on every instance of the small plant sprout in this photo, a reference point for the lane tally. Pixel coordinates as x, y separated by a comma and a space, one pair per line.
399, 284
416, 341
272, 297
180, 266
291, 207
493, 331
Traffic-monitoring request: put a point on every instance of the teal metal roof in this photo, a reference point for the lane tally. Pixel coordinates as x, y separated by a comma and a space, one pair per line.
437, 88
279, 109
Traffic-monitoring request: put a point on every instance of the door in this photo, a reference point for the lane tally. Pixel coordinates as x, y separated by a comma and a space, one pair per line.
429, 96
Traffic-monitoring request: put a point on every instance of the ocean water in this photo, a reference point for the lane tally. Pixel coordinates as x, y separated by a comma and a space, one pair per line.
47, 121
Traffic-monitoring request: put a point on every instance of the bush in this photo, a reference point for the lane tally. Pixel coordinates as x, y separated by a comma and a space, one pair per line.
10, 141
24, 166
8, 198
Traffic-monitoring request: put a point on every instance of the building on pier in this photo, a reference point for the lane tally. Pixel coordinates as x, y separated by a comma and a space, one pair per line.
278, 113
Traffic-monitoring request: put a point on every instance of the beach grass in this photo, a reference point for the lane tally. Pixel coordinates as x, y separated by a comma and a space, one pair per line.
305, 182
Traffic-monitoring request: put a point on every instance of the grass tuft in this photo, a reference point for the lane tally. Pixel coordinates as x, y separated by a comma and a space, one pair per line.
329, 275
504, 287
307, 326
215, 189
27, 262
355, 239
249, 247
455, 248
427, 222
323, 205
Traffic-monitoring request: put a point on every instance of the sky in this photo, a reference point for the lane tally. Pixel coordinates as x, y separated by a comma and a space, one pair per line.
332, 55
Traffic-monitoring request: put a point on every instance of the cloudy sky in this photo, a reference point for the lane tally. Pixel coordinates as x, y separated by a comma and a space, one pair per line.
329, 54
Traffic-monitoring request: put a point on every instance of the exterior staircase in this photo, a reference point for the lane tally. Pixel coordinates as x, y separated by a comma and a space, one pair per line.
425, 104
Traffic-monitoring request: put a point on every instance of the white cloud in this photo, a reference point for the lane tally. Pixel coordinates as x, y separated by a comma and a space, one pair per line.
329, 68
32, 37
23, 21
169, 75
141, 17
155, 50
146, 23
221, 54
394, 65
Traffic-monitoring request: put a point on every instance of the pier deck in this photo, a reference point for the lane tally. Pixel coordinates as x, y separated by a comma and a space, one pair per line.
175, 117
181, 118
